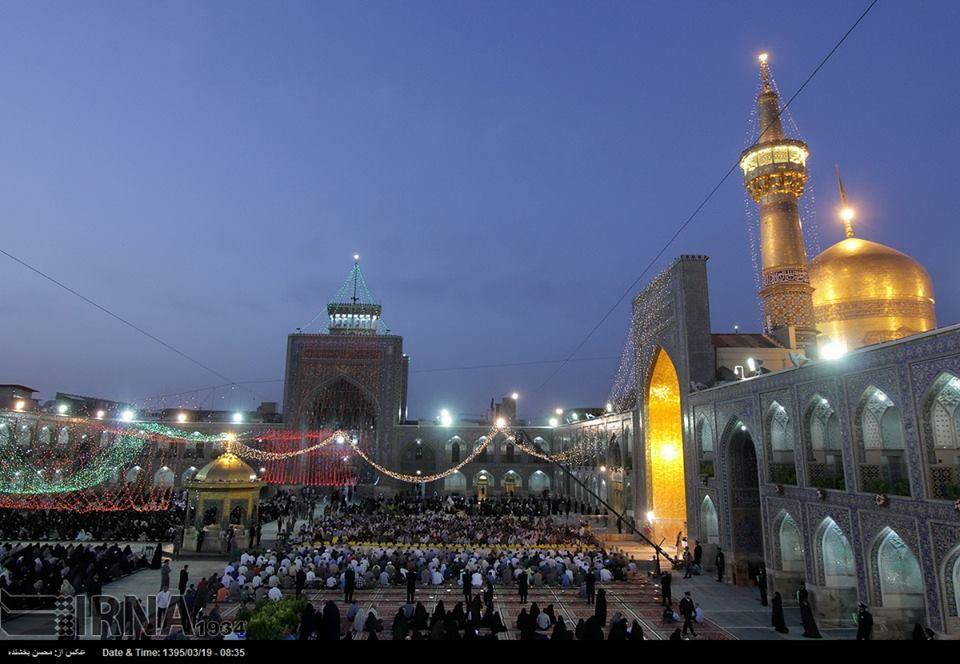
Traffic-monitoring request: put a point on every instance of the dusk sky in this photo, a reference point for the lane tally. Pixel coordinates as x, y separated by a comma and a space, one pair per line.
505, 170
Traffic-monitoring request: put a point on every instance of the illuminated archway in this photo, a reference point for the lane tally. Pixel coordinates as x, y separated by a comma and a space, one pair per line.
666, 487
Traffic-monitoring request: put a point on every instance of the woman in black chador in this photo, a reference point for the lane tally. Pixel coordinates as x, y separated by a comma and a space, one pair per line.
779, 623
806, 613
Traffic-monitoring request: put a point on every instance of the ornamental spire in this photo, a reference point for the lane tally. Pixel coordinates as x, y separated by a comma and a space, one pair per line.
847, 213
768, 104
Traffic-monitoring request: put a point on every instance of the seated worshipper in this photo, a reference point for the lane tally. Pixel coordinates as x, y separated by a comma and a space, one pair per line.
543, 622
560, 631
523, 620
420, 620
550, 614
373, 624
439, 614
636, 631
668, 615
618, 629
592, 629
399, 629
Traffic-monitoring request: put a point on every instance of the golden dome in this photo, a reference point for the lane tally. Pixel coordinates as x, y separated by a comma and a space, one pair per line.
866, 293
227, 467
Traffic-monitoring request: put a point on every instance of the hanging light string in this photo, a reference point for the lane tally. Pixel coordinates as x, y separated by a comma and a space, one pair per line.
424, 479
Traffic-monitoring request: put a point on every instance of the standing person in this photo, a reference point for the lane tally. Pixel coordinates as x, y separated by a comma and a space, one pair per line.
806, 613
201, 533
666, 581
619, 524
165, 576
411, 586
687, 610
778, 621
465, 580
864, 623
184, 579
591, 582
523, 585
762, 583
697, 554
720, 562
300, 581
163, 601
687, 564
349, 585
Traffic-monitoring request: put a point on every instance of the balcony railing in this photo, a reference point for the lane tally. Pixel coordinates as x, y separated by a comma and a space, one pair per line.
827, 476
885, 478
945, 482
783, 473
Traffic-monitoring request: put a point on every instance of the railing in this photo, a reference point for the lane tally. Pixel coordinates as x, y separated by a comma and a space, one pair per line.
945, 482
885, 478
706, 468
783, 473
827, 476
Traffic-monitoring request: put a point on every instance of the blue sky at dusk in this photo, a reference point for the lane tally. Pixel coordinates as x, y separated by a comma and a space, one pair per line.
505, 169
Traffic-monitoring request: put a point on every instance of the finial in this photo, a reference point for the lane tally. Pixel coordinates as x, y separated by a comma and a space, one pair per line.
765, 71
356, 258
847, 213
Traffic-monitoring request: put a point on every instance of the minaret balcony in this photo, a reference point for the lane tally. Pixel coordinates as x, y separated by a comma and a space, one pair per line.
775, 155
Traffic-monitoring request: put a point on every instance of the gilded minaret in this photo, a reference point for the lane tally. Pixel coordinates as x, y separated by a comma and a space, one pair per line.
775, 173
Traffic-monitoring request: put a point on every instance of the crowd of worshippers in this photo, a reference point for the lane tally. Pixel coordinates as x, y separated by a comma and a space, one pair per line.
28, 571
114, 526
405, 520
293, 504
345, 568
270, 576
474, 618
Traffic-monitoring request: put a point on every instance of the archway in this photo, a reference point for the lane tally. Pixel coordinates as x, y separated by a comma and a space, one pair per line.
836, 572
709, 524
338, 405
539, 482
879, 445
783, 469
836, 557
791, 545
483, 482
898, 572
511, 482
941, 428
666, 489
822, 437
744, 481
164, 477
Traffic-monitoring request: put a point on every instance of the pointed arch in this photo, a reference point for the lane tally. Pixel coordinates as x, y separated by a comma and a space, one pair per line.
780, 445
940, 425
822, 438
538, 482
834, 556
164, 477
741, 469
879, 444
709, 523
789, 543
899, 579
666, 486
